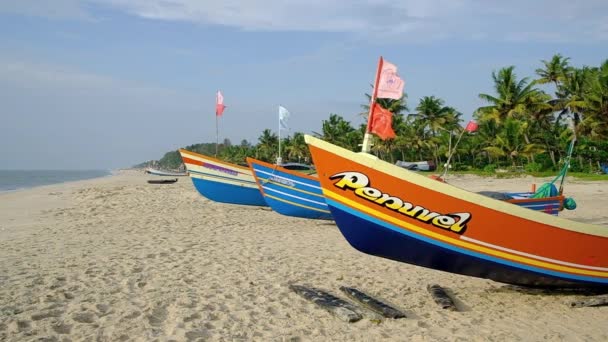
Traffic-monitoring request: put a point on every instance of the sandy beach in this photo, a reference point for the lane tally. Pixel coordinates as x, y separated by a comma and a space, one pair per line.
118, 259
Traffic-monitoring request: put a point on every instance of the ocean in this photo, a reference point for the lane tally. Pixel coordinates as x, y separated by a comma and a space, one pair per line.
11, 180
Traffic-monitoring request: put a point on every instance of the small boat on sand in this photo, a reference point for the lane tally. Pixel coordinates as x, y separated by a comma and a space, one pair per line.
162, 181
221, 181
290, 192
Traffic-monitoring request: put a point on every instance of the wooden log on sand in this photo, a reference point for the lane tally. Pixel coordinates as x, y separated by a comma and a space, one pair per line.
340, 308
593, 301
441, 297
372, 303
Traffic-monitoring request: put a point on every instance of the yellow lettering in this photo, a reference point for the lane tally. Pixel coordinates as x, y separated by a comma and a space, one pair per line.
390, 202
444, 221
461, 225
368, 193
350, 180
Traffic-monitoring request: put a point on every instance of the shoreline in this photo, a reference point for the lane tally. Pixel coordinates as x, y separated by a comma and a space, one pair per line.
116, 258
109, 174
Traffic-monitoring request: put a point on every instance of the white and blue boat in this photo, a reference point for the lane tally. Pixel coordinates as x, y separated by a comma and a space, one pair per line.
289, 191
220, 181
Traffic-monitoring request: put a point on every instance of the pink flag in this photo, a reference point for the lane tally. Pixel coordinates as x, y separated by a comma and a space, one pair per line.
219, 103
390, 85
471, 126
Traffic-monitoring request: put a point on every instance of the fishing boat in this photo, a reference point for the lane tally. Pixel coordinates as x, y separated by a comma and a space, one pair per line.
550, 205
157, 172
290, 192
221, 181
162, 181
387, 211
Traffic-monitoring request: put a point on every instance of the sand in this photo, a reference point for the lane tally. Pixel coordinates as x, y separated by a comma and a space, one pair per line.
117, 259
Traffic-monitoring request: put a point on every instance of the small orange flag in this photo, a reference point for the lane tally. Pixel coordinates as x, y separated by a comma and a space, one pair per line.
382, 122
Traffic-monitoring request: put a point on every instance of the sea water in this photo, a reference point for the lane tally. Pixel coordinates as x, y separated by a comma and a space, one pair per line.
11, 180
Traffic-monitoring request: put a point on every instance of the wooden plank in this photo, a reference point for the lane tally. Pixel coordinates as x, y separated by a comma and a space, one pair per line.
372, 303
340, 308
441, 297
593, 301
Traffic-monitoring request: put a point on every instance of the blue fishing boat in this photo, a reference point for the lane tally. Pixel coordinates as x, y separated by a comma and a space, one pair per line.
290, 192
221, 181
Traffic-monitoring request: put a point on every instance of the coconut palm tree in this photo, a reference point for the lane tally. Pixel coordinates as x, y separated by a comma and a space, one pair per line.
595, 122
510, 142
513, 98
554, 71
296, 148
268, 146
337, 131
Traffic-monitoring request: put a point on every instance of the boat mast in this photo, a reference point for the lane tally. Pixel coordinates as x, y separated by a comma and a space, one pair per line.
279, 159
366, 146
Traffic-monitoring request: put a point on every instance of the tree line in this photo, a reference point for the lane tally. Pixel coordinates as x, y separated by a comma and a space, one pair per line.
522, 125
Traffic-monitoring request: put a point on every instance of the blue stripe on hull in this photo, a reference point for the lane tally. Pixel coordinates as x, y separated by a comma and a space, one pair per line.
288, 209
228, 193
290, 195
375, 237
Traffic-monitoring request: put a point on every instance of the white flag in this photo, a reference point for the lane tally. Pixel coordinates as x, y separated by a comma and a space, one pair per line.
283, 116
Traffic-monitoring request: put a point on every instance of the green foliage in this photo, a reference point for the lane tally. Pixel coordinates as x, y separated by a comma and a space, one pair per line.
533, 167
490, 168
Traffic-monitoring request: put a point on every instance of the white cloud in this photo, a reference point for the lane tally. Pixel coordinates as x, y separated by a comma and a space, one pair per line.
56, 9
540, 20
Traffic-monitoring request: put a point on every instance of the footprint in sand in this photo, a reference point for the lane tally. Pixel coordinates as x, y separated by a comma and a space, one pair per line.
84, 317
158, 316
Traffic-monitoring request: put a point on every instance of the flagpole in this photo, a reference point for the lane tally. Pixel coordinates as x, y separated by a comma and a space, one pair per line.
217, 131
366, 146
279, 160
451, 152
217, 136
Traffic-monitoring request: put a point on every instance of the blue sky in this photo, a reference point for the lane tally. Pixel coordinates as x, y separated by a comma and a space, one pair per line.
110, 83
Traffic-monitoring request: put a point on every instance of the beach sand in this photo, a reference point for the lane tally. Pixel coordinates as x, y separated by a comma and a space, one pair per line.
117, 259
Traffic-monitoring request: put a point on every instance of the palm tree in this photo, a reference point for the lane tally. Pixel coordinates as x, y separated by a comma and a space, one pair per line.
268, 146
595, 122
513, 98
555, 70
509, 142
337, 131
433, 115
296, 148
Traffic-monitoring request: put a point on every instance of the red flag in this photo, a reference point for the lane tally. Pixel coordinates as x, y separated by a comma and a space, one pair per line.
219, 103
390, 85
382, 122
471, 126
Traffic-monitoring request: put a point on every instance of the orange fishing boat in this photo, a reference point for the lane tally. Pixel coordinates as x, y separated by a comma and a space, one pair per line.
387, 211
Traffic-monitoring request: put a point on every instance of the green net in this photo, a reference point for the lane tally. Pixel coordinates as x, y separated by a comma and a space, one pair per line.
546, 190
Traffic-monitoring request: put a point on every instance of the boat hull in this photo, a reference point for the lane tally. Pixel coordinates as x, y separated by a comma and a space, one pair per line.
393, 213
288, 192
222, 182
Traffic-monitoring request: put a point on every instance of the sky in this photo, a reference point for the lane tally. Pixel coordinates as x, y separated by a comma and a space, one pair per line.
106, 84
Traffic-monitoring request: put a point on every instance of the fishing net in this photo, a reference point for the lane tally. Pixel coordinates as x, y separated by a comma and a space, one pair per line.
546, 190
550, 190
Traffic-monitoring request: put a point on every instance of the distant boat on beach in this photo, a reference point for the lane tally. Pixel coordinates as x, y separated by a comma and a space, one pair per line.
221, 181
157, 172
289, 191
